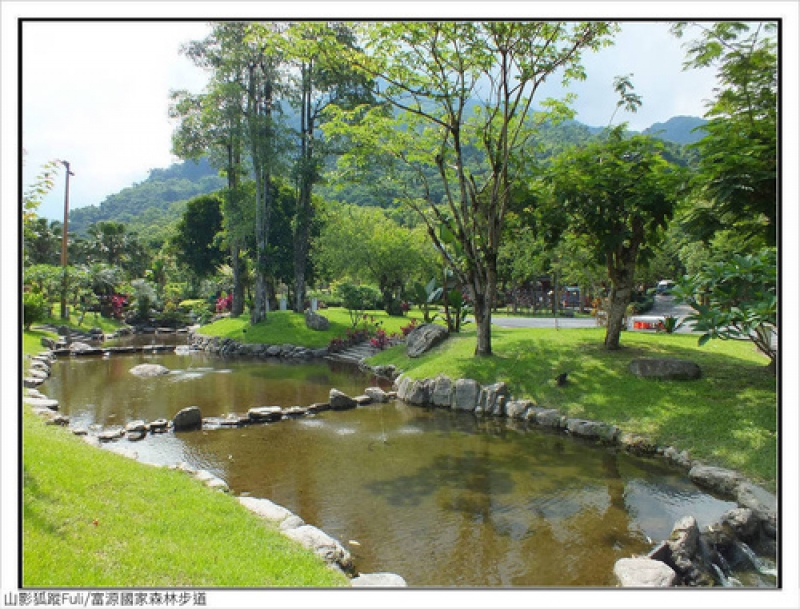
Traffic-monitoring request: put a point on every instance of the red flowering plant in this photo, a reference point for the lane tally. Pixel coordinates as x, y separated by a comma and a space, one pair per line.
381, 340
224, 303
118, 302
406, 330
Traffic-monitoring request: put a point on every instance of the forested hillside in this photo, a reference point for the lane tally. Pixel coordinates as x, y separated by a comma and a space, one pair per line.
148, 207
156, 201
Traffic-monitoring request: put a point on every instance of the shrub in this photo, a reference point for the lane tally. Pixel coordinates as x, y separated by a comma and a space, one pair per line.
34, 309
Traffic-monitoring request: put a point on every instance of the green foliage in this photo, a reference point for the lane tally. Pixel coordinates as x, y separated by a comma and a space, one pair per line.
425, 296
35, 308
738, 156
357, 299
670, 324
144, 298
735, 299
193, 242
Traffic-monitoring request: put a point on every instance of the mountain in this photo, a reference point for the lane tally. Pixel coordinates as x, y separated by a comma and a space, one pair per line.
157, 200
152, 205
679, 129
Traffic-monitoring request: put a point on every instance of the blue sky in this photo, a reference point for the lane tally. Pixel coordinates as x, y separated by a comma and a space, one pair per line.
96, 94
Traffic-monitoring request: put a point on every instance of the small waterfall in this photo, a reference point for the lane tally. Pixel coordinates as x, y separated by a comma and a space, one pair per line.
725, 580
759, 564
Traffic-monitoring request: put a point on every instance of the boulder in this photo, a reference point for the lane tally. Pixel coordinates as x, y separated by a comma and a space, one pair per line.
188, 418
403, 384
741, 522
315, 321
442, 394
492, 400
149, 370
114, 433
763, 504
423, 338
465, 394
688, 554
420, 392
724, 481
550, 418
136, 427
379, 580
643, 573
518, 409
322, 544
341, 401
376, 394
592, 429
665, 369
80, 347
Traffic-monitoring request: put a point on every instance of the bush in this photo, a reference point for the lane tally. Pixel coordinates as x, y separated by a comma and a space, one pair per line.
34, 309
357, 299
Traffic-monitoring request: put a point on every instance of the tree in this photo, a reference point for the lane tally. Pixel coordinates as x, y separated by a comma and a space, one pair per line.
322, 76
737, 178
194, 239
212, 124
735, 299
363, 243
618, 193
461, 97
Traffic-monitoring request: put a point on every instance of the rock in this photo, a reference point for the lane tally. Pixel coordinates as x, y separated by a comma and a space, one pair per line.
315, 321
550, 418
322, 544
723, 481
518, 409
31, 382
266, 509
379, 580
465, 395
763, 504
741, 522
188, 418
292, 522
420, 392
80, 347
492, 400
643, 573
592, 429
107, 435
41, 403
158, 426
665, 369
680, 458
340, 400
149, 370
423, 338
376, 394
136, 427
442, 394
295, 412
636, 444
687, 555
403, 384
265, 414
49, 343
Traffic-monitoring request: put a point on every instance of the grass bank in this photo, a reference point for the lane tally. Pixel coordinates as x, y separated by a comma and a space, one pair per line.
92, 518
287, 327
727, 418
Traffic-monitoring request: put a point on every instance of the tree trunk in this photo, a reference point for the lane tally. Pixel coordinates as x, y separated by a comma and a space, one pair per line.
621, 276
301, 244
237, 304
483, 320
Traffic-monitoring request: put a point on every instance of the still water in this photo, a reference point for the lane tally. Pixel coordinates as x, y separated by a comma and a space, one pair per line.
439, 497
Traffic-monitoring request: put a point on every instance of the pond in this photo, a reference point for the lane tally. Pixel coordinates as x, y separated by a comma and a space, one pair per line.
440, 497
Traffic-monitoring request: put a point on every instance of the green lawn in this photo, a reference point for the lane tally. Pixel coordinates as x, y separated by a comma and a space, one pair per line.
286, 327
728, 417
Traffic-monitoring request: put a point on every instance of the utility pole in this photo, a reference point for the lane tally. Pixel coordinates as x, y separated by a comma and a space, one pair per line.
64, 314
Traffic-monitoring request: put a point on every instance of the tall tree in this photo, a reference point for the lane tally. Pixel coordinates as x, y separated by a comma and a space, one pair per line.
737, 178
212, 124
462, 98
321, 76
618, 194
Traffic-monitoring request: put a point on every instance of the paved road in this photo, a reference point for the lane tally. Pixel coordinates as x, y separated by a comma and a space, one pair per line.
664, 305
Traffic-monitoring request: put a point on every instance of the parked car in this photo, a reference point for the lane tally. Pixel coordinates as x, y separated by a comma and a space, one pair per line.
571, 297
664, 286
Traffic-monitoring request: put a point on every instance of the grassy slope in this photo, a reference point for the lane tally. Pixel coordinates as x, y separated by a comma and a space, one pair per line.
155, 527
728, 417
286, 327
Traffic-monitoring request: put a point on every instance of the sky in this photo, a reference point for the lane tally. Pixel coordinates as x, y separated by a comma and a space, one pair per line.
97, 95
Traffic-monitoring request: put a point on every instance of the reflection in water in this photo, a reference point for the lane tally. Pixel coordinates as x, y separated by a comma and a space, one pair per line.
439, 497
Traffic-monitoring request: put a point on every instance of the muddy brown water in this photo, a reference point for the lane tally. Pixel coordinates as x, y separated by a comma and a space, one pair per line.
439, 497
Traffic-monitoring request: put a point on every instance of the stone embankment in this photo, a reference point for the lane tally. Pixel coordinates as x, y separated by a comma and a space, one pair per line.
229, 347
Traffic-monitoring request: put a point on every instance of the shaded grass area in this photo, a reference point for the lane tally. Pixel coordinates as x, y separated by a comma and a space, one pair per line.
91, 320
154, 527
287, 327
727, 418
92, 518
